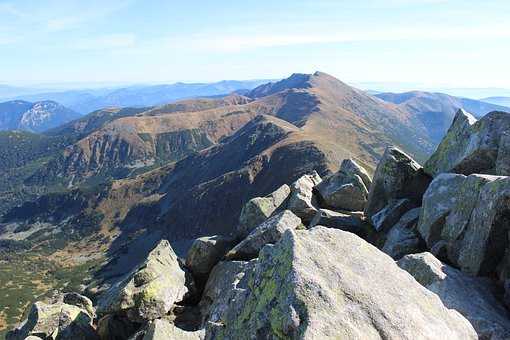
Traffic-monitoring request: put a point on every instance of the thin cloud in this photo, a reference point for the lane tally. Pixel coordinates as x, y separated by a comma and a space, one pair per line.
105, 42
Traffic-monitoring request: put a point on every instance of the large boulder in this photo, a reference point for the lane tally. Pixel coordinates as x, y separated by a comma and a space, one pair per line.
150, 290
403, 238
302, 200
55, 320
397, 176
471, 296
205, 252
351, 166
391, 214
163, 329
472, 146
348, 221
329, 284
469, 216
258, 209
268, 232
346, 189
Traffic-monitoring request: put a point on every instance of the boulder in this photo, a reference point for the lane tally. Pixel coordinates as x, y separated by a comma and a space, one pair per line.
258, 209
55, 320
150, 290
344, 190
391, 214
268, 232
470, 216
397, 176
325, 283
352, 167
302, 200
472, 146
81, 301
348, 221
205, 252
471, 296
403, 238
162, 329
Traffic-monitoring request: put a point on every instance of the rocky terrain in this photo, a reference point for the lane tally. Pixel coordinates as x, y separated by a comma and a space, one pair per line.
35, 117
410, 252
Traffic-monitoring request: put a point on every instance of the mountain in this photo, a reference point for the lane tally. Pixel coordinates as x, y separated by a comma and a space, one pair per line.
504, 101
436, 110
35, 117
88, 100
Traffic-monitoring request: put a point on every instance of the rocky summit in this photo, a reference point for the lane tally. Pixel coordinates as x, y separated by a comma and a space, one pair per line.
297, 210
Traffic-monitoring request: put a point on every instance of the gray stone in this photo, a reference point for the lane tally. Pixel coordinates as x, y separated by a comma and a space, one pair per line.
302, 201
55, 321
344, 190
403, 239
472, 146
162, 329
348, 221
258, 209
205, 252
352, 167
81, 301
150, 290
470, 216
325, 283
397, 176
268, 232
391, 214
472, 297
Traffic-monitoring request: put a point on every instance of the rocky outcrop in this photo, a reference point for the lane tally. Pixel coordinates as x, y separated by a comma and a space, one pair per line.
397, 176
268, 232
403, 238
296, 292
472, 297
470, 216
472, 146
346, 189
302, 201
149, 291
56, 320
205, 252
258, 209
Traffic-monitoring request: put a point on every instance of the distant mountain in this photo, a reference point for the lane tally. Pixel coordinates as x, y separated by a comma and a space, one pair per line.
436, 110
35, 117
504, 101
85, 101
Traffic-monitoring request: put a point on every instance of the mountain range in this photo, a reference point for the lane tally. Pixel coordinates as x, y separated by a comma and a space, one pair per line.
88, 198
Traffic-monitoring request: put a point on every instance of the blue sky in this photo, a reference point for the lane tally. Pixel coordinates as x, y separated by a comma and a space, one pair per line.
429, 42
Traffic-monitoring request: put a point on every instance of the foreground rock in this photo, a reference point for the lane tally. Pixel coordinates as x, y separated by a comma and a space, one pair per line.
205, 252
162, 329
270, 231
403, 238
148, 292
346, 189
470, 296
302, 201
470, 216
472, 146
354, 292
258, 209
56, 320
397, 176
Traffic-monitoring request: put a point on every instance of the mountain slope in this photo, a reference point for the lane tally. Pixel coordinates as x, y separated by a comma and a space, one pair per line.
35, 117
503, 101
436, 110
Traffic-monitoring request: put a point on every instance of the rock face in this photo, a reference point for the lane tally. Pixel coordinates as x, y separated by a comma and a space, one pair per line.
391, 214
205, 252
150, 290
346, 189
470, 296
403, 238
270, 231
470, 216
472, 146
397, 176
56, 320
296, 292
258, 209
302, 201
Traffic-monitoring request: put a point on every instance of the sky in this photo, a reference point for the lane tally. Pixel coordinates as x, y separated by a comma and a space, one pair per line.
461, 43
